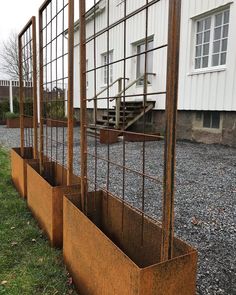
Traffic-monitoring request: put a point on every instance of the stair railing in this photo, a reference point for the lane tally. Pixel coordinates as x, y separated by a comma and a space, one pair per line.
119, 95
96, 97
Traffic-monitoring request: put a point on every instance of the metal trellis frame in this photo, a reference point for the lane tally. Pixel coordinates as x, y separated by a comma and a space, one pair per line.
28, 88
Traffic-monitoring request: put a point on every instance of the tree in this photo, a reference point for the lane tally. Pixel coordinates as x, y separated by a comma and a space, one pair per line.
9, 57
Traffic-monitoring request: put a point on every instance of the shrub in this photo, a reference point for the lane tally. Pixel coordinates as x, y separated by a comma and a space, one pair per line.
4, 108
10, 115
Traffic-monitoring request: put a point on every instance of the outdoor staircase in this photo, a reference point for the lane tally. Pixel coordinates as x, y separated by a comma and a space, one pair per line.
125, 113
130, 112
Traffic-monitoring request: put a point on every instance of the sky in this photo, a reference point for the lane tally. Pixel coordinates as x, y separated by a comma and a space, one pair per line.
14, 14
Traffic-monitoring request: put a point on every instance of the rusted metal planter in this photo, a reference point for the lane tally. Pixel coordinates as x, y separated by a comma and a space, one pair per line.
135, 137
15, 123
45, 198
103, 259
19, 168
109, 136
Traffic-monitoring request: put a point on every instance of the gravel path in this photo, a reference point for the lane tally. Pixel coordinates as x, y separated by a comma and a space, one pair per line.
205, 211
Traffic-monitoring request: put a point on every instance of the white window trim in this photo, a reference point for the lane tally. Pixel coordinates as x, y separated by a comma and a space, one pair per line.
135, 51
103, 85
195, 19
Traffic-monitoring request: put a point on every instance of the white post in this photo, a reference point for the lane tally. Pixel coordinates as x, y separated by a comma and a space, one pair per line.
11, 97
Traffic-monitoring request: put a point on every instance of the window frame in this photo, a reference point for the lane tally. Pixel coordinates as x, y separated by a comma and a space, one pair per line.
104, 68
210, 67
211, 114
136, 45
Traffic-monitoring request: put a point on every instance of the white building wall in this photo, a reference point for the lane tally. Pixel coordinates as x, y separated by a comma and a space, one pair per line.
214, 90
197, 91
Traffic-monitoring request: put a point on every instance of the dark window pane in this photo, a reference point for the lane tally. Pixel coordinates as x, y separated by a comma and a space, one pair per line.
216, 47
207, 119
219, 18
224, 45
200, 26
207, 23
226, 17
198, 51
215, 60
199, 38
205, 62
207, 36
215, 120
223, 59
217, 35
197, 63
225, 31
206, 49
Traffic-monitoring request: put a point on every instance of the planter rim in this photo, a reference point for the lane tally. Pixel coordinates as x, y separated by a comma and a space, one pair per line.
192, 251
48, 183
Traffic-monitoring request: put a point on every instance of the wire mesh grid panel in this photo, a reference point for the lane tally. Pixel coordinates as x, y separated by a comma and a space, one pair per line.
28, 90
56, 21
128, 66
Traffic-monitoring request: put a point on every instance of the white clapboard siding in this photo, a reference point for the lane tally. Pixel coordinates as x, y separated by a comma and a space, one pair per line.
207, 90
203, 91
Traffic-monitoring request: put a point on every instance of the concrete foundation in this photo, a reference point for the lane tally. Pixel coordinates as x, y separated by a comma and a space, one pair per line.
189, 126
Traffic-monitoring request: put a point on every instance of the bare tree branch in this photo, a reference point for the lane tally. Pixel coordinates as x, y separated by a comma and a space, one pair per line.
9, 57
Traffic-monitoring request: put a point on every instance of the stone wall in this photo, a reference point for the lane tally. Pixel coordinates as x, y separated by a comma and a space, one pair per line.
189, 127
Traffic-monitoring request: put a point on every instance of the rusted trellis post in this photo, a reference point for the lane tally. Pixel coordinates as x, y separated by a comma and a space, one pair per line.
170, 132
149, 259
69, 89
27, 61
70, 103
49, 180
28, 150
83, 100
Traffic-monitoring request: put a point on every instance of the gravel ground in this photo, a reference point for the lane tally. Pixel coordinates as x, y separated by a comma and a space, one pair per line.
205, 210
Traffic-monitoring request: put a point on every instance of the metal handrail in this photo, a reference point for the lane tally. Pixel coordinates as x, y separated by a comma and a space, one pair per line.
107, 87
130, 85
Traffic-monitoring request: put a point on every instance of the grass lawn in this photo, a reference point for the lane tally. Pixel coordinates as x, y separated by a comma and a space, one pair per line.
27, 263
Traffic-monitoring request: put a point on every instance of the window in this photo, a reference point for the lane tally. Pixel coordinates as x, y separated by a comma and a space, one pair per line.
106, 59
141, 61
212, 40
211, 120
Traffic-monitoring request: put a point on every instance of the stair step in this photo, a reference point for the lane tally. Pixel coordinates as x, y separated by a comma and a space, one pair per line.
113, 117
127, 112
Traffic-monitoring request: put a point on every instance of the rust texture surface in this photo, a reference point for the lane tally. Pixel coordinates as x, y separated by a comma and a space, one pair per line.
45, 199
19, 171
104, 260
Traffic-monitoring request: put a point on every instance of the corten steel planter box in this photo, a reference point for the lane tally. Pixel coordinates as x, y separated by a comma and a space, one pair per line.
108, 136
103, 260
15, 123
54, 123
135, 137
19, 168
45, 198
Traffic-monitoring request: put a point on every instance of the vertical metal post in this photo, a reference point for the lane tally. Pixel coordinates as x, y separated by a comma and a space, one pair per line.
41, 91
21, 98
66, 100
170, 135
95, 109
35, 99
70, 109
11, 97
118, 103
83, 119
